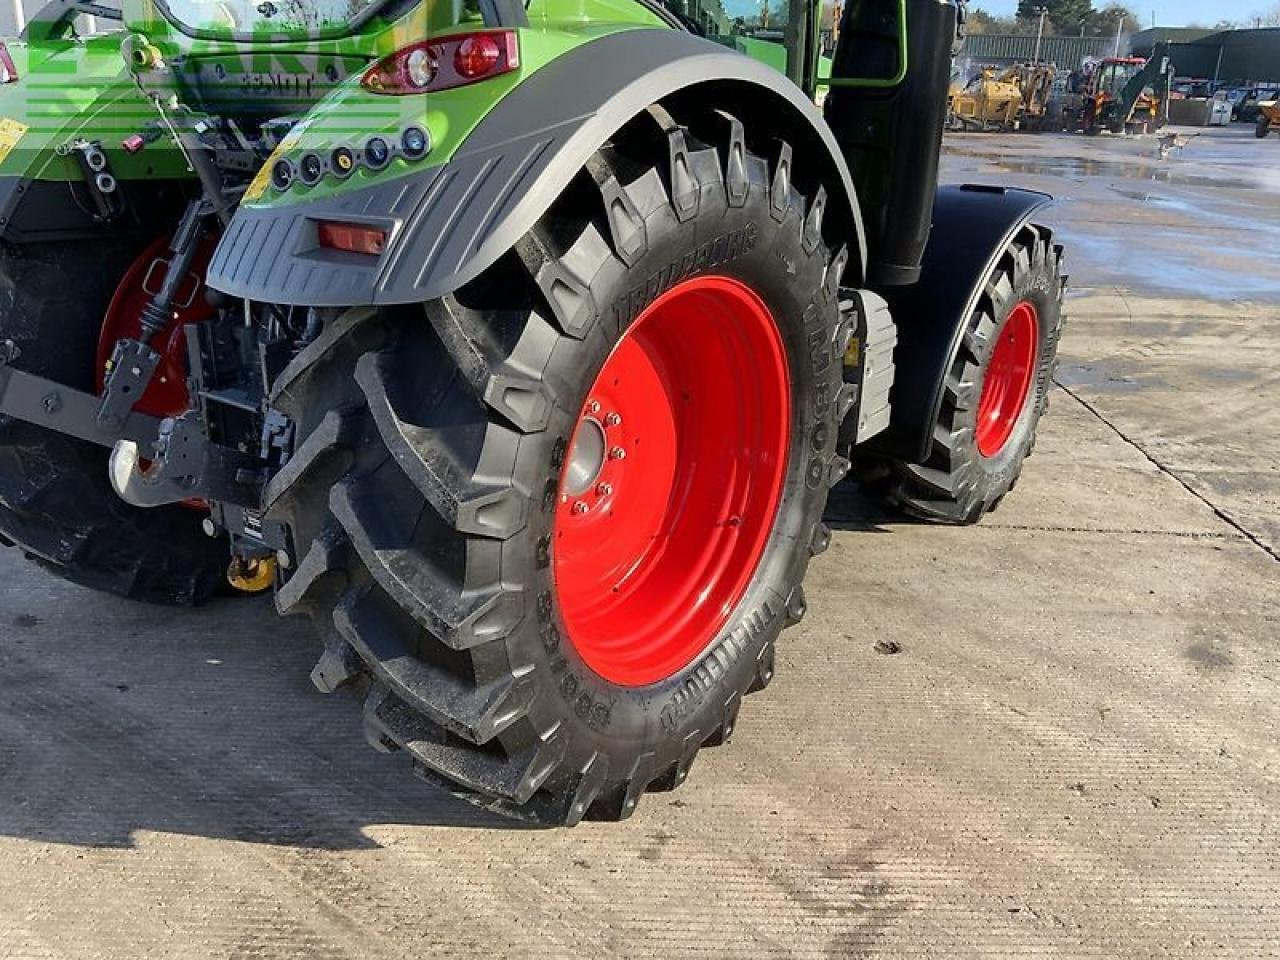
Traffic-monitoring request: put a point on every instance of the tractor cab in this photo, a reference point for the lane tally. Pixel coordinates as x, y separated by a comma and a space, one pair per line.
1114, 74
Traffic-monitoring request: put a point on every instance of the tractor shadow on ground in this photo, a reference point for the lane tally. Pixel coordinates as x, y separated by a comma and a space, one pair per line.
117, 718
849, 510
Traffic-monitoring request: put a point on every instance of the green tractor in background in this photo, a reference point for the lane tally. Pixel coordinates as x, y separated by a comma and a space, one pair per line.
516, 344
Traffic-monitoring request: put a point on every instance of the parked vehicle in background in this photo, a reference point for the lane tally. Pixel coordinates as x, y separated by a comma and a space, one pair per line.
1268, 118
1234, 96
1250, 105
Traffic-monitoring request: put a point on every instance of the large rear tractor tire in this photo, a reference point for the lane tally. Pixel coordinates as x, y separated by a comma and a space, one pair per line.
995, 394
56, 503
550, 527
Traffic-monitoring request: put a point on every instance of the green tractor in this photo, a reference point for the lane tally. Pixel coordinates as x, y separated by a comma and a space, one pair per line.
517, 344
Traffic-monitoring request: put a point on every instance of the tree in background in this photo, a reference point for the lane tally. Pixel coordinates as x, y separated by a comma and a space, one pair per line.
982, 22
1269, 18
1066, 16
1112, 17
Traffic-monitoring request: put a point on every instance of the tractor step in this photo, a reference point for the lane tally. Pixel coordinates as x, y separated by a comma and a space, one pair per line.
868, 362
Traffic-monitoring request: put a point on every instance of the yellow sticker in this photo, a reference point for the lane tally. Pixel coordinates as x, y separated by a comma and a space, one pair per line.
11, 131
258, 186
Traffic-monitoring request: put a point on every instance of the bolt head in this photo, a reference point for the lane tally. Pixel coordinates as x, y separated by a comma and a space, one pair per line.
613, 419
593, 406
617, 453
604, 489
580, 507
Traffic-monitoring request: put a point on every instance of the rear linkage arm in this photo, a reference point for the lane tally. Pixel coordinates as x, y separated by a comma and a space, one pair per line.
153, 461
183, 464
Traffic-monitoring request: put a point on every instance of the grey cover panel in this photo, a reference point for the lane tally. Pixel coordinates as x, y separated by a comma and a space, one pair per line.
449, 223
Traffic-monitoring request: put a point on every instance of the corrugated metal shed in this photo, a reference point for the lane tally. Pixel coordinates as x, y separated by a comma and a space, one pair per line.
1233, 56
1067, 52
1142, 41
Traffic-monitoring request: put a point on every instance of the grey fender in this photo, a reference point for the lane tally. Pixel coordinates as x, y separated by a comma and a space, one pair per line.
448, 223
972, 226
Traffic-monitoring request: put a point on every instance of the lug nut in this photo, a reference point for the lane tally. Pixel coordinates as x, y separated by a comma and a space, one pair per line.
604, 489
580, 507
613, 419
617, 453
593, 406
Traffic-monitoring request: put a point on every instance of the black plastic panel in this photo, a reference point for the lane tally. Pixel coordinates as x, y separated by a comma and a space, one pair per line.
450, 223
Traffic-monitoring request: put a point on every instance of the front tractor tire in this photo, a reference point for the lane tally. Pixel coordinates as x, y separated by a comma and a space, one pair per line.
995, 393
550, 527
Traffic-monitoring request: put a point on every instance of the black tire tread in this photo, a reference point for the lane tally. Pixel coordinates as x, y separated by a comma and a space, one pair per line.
456, 701
945, 488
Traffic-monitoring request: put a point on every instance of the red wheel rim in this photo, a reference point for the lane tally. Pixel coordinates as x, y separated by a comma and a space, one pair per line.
672, 481
1008, 379
166, 395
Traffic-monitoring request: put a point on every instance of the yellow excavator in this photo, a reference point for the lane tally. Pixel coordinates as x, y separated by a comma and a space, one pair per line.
1013, 99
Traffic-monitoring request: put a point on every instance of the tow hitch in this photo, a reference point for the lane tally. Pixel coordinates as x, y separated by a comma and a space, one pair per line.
153, 461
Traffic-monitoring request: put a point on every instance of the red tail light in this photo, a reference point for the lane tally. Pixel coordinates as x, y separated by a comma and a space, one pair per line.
8, 72
351, 237
432, 65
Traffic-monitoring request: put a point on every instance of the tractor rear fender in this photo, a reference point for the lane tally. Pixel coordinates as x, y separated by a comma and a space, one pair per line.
446, 224
972, 225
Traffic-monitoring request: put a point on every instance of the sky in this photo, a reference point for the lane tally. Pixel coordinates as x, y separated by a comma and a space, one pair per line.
1169, 13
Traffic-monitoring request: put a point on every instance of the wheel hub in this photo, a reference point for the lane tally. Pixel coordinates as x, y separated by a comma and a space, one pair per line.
1006, 385
586, 456
672, 481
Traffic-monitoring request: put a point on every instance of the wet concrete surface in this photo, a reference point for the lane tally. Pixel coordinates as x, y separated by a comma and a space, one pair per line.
1200, 224
1054, 734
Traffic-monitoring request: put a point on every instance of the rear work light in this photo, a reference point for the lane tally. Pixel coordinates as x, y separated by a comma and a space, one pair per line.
351, 237
444, 63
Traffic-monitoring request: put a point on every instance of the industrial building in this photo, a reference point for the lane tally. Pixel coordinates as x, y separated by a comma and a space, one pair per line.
1229, 57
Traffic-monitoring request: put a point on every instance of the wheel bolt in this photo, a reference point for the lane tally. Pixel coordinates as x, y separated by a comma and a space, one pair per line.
580, 507
593, 406
617, 453
604, 489
613, 419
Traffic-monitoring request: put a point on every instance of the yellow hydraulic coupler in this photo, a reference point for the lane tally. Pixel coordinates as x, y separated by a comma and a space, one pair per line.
252, 574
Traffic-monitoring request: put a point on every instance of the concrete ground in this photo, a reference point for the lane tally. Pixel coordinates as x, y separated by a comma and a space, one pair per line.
1074, 752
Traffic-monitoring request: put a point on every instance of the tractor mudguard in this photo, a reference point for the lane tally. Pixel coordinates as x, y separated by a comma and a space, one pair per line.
972, 225
447, 224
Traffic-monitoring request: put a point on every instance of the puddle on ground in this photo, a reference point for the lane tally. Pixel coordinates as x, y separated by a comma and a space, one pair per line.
1083, 168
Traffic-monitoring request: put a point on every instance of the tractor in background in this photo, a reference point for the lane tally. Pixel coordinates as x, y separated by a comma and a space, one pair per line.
1268, 118
1012, 99
1128, 95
